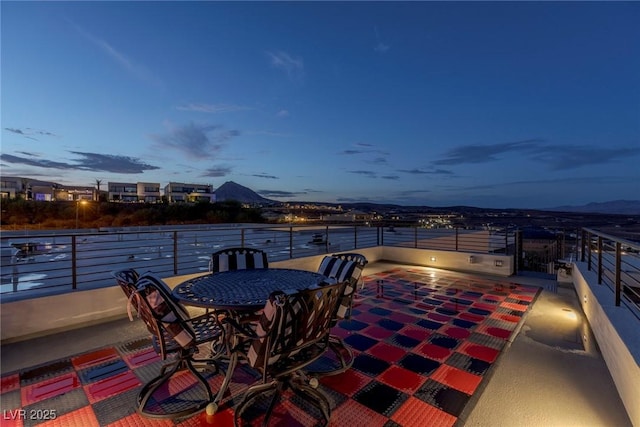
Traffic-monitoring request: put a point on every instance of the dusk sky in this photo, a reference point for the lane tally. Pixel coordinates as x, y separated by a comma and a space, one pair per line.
496, 105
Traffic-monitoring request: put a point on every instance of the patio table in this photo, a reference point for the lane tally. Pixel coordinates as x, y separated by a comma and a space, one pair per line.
238, 293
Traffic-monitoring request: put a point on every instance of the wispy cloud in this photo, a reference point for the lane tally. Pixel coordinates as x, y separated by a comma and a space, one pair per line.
282, 194
476, 153
212, 108
131, 66
426, 172
87, 162
573, 157
363, 148
29, 132
554, 156
294, 67
264, 175
217, 172
390, 177
196, 141
282, 113
369, 174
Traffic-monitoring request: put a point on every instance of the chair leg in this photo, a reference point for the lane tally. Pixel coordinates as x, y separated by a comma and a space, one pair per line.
313, 396
251, 394
149, 388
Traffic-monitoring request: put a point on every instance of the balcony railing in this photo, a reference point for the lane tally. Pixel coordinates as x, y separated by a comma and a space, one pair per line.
54, 262
617, 264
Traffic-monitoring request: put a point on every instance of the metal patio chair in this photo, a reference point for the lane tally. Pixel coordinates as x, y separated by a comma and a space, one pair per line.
176, 338
340, 267
290, 334
237, 259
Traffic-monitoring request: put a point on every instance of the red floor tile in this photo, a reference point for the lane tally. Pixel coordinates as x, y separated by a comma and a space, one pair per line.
94, 358
142, 358
347, 383
9, 383
416, 332
387, 352
137, 420
479, 352
83, 417
377, 332
513, 306
402, 379
111, 386
353, 414
434, 352
49, 388
456, 378
459, 333
416, 413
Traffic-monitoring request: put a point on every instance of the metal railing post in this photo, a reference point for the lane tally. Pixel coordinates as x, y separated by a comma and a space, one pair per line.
618, 272
74, 264
242, 238
175, 253
355, 237
415, 237
457, 239
290, 242
326, 240
599, 260
582, 244
589, 262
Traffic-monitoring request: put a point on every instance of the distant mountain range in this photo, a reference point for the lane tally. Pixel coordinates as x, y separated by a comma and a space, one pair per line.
233, 191
616, 207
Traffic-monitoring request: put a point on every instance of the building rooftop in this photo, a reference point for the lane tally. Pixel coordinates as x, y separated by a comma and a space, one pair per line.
433, 347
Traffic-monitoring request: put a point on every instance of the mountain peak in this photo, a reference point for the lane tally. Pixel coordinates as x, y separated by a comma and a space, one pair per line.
233, 191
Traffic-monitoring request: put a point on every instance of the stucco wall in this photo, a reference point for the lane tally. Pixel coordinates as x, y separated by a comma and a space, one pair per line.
617, 332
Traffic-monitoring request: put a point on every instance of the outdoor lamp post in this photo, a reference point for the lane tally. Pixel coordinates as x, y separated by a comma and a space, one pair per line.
78, 203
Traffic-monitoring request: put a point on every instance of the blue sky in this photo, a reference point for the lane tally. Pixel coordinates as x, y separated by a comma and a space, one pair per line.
497, 105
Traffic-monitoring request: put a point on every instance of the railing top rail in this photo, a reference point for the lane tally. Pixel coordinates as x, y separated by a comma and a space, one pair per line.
629, 243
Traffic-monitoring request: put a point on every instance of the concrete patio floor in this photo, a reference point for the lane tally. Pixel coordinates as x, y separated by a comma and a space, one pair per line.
551, 374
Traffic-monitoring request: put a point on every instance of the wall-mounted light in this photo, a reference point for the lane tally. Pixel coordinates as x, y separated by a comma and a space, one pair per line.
585, 298
497, 263
472, 259
433, 259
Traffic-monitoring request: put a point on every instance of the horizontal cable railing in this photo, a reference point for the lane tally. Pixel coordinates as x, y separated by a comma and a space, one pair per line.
617, 264
54, 262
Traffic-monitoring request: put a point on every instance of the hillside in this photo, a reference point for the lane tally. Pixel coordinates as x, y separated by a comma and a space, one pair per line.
233, 191
616, 207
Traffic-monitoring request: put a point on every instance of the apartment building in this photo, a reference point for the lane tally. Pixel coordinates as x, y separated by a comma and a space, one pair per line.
181, 192
133, 192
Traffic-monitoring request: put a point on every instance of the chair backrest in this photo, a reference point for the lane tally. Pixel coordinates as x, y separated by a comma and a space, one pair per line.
360, 260
293, 322
238, 259
164, 316
343, 267
127, 279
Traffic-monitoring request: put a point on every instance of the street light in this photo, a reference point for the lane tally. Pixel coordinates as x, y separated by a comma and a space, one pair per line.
78, 203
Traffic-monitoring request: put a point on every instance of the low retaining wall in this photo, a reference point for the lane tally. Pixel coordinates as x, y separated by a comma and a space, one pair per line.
30, 318
617, 332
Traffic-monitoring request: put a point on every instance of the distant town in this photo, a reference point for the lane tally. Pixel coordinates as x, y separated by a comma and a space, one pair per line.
124, 204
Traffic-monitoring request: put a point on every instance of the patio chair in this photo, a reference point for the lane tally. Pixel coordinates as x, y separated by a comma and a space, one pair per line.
340, 267
176, 338
237, 259
289, 336
127, 280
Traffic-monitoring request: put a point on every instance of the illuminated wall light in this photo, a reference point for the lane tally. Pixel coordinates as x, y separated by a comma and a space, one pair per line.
497, 263
433, 258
